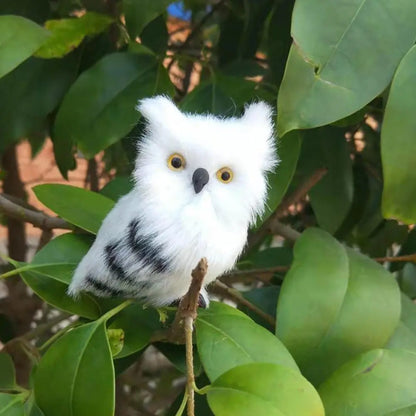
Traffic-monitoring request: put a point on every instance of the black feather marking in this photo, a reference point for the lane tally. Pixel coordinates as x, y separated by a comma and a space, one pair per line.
144, 248
104, 288
114, 265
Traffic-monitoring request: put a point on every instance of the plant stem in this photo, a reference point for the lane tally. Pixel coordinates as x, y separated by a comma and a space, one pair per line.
183, 404
190, 377
116, 310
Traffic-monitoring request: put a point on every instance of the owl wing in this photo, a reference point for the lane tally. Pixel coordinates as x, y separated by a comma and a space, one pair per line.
124, 260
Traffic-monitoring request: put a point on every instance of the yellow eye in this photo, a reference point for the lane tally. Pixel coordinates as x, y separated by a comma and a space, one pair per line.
176, 162
225, 175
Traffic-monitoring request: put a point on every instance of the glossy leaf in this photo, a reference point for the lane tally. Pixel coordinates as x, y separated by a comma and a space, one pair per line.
332, 196
398, 144
222, 95
155, 36
288, 150
375, 383
11, 404
263, 389
141, 12
119, 186
7, 373
334, 304
177, 356
278, 38
116, 340
67, 34
65, 248
35, 88
65, 201
138, 325
54, 291
338, 61
404, 336
84, 358
226, 341
99, 109
19, 39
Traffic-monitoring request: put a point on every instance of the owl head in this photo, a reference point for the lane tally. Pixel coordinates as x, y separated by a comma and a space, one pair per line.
205, 165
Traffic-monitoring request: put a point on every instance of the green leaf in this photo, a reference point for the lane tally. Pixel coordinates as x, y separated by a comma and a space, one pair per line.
177, 356
241, 29
84, 378
222, 95
332, 196
288, 149
80, 207
334, 304
155, 36
54, 292
263, 389
338, 61
11, 404
31, 408
226, 341
375, 383
7, 373
35, 88
119, 186
19, 39
141, 12
404, 336
398, 145
99, 109
116, 340
67, 34
138, 325
65, 248
407, 280
278, 38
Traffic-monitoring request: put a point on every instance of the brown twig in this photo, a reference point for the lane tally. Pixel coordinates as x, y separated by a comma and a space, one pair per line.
36, 218
407, 257
182, 327
272, 225
264, 275
233, 294
249, 272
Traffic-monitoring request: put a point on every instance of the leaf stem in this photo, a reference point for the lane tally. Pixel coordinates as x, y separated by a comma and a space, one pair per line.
183, 404
115, 310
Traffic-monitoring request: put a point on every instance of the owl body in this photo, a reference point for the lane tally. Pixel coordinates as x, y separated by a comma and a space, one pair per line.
149, 243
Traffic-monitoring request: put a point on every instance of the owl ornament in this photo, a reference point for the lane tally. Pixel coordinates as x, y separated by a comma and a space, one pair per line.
199, 182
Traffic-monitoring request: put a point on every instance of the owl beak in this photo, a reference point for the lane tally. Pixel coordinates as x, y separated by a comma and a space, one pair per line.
199, 179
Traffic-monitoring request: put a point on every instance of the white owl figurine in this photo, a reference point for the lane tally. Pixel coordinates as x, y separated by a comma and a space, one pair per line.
200, 181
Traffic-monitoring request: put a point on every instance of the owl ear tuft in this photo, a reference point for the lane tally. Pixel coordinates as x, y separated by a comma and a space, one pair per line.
258, 113
158, 110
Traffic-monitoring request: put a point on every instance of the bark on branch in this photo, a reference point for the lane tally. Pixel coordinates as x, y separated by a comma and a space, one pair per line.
182, 327
36, 218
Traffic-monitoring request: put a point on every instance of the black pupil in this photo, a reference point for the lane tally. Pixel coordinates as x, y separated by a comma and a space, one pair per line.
176, 162
225, 176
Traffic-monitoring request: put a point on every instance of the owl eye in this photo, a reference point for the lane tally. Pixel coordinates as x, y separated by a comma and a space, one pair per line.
225, 175
176, 162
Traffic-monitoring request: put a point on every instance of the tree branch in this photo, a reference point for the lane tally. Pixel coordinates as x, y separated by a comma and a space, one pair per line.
264, 275
234, 295
182, 327
36, 218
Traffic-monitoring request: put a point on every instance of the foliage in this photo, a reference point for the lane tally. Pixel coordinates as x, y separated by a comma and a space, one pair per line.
342, 77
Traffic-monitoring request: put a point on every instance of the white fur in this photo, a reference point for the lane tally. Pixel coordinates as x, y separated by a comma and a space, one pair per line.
189, 226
